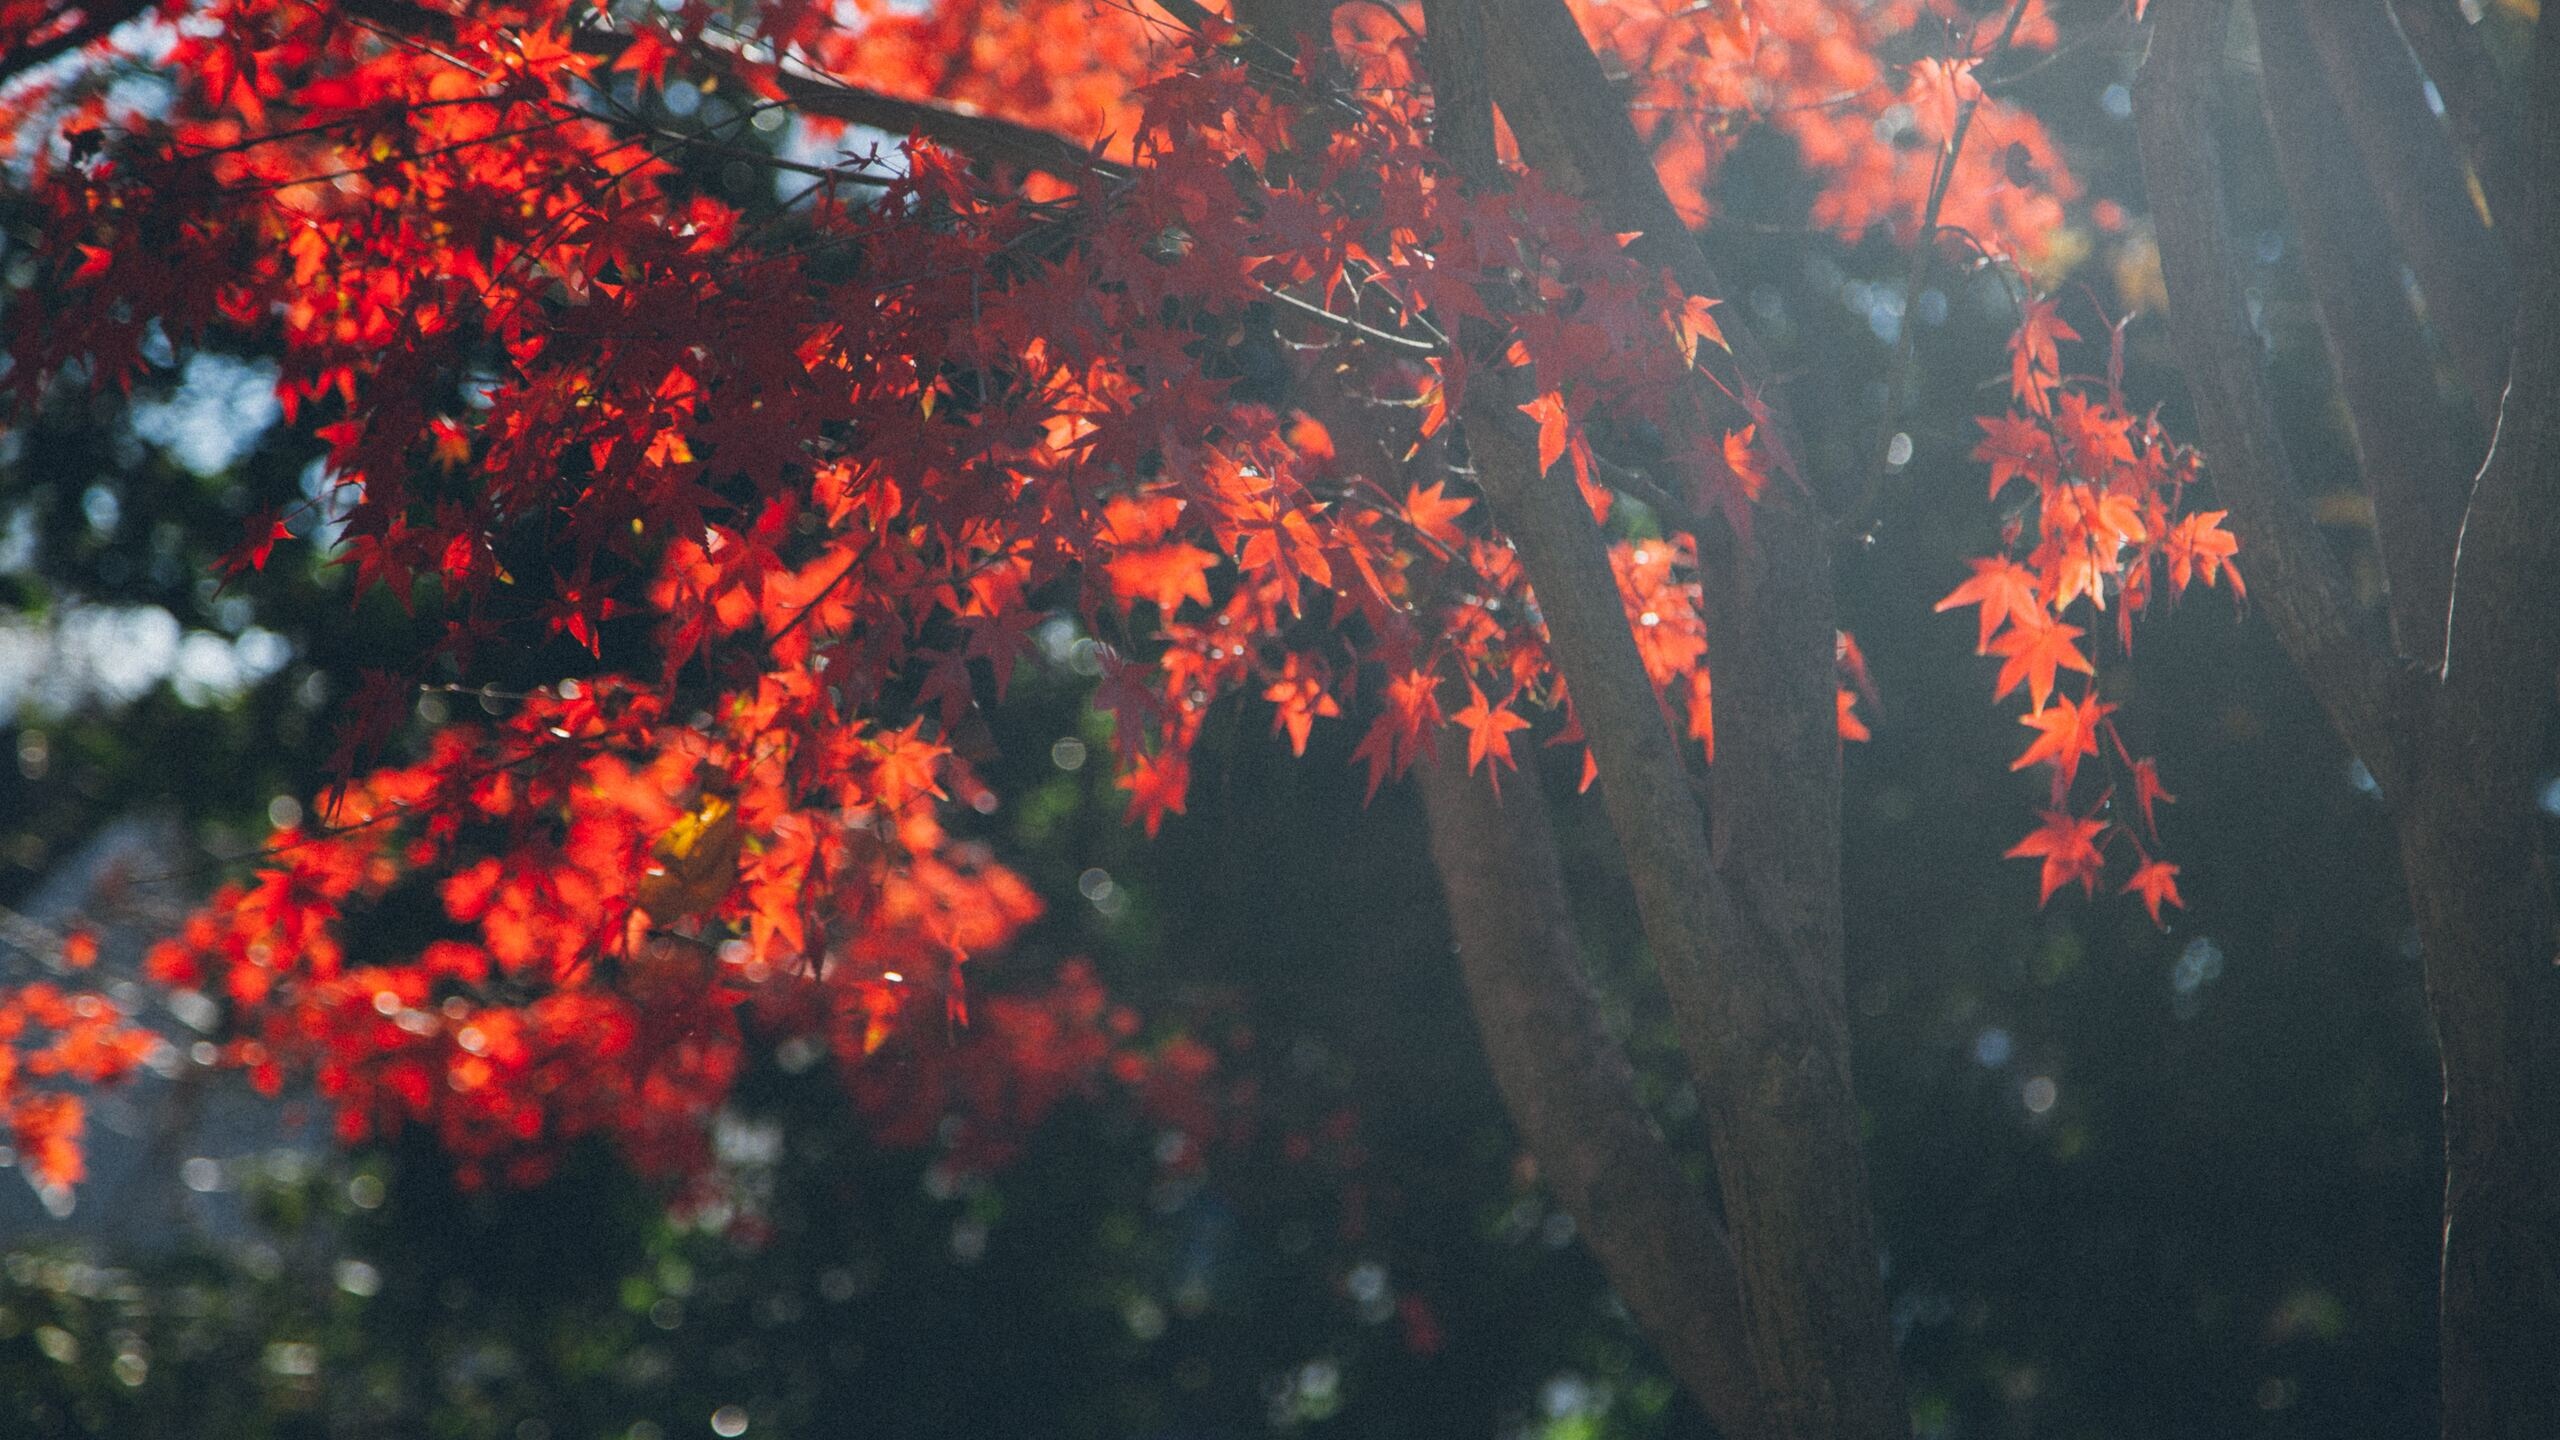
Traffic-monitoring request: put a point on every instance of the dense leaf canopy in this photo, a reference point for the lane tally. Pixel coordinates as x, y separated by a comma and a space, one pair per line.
734, 509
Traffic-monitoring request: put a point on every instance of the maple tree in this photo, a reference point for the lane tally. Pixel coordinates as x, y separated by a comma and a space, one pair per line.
1362, 363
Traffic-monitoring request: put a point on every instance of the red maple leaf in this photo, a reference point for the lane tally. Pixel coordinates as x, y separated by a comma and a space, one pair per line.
2005, 591
2148, 791
2033, 652
2156, 881
2035, 354
1488, 730
1302, 699
2068, 846
2067, 730
2016, 447
1158, 785
1554, 425
1436, 515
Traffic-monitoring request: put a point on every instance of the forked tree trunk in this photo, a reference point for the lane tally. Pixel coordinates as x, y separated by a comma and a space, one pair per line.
1570, 1089
1743, 926
2456, 717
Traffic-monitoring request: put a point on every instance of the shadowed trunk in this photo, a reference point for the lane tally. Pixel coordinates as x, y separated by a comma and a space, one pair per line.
1744, 924
2484, 929
1570, 1089
2457, 730
2483, 899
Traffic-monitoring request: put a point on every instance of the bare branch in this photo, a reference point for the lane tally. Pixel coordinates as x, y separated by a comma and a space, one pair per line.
2338, 649
1350, 325
2413, 471
1570, 1090
2462, 271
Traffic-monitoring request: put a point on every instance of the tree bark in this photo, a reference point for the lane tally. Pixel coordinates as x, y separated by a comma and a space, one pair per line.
2405, 440
2459, 742
1745, 930
2461, 269
1570, 1090
2485, 934
2483, 898
2341, 651
2475, 101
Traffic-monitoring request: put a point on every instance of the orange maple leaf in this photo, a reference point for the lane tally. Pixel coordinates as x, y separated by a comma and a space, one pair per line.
1434, 515
1695, 321
2156, 881
1553, 427
1165, 574
2068, 730
2035, 354
2033, 652
2006, 592
2068, 846
1851, 727
2094, 435
1489, 730
2199, 548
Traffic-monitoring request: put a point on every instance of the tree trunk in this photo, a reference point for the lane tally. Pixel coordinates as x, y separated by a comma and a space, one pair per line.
2458, 727
1571, 1091
2476, 878
1744, 928
2484, 928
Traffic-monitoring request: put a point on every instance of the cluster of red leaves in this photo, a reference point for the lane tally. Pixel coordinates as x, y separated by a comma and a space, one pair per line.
829, 474
1703, 74
1069, 67
2098, 526
52, 1041
621, 904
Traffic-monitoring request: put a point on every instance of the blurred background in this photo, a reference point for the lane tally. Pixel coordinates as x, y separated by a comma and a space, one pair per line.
2133, 1182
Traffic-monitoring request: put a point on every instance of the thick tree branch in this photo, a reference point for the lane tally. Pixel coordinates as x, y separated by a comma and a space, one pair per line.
1746, 933
2469, 288
2475, 100
2413, 472
1572, 125
1645, 787
1757, 1016
1651, 809
1771, 627
1770, 620
2339, 650
1461, 97
1570, 1090
945, 123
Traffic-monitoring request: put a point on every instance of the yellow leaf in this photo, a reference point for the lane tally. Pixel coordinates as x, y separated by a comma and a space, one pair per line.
693, 864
